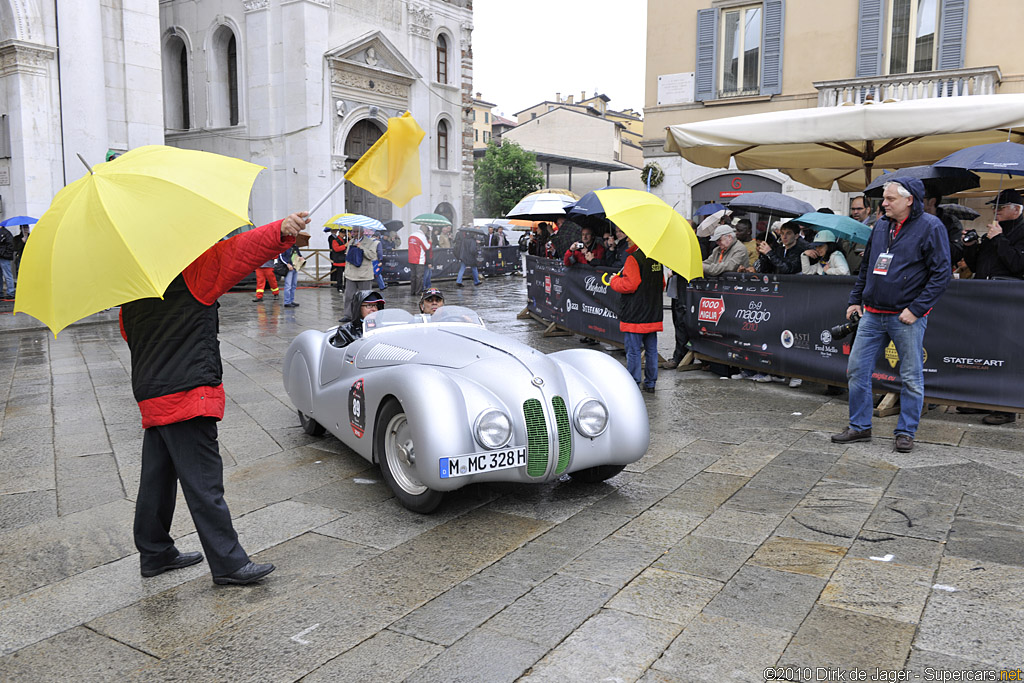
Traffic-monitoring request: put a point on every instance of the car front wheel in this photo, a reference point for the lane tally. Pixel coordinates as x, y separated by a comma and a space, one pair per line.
311, 426
396, 452
592, 475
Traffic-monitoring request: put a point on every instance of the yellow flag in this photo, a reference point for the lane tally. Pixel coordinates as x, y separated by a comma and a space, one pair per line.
391, 168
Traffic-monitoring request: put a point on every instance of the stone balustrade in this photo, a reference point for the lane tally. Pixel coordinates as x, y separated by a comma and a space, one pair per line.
898, 87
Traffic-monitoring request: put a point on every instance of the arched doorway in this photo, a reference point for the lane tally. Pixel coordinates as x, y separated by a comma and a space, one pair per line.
727, 186
446, 210
357, 200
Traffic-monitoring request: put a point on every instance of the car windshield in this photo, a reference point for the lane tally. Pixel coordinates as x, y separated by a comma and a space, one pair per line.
393, 317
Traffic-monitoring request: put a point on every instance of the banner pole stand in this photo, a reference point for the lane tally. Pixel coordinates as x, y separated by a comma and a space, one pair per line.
525, 313
890, 405
687, 363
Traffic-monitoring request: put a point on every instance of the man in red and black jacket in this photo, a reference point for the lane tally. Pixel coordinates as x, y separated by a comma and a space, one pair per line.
641, 283
337, 245
176, 378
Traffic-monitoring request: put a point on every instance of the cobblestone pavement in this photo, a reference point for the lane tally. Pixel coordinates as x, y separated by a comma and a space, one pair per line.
743, 540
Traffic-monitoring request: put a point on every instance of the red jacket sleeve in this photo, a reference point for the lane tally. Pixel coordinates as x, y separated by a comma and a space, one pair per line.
220, 267
629, 280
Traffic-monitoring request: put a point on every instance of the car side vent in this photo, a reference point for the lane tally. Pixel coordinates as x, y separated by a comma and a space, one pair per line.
564, 434
390, 352
537, 438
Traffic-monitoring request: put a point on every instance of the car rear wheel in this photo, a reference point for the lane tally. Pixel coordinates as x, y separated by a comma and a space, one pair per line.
396, 452
592, 475
311, 426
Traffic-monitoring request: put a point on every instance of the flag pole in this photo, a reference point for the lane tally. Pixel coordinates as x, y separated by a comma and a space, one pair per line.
327, 196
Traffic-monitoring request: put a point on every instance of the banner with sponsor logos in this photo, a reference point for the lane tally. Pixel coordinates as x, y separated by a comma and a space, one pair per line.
782, 324
573, 297
496, 261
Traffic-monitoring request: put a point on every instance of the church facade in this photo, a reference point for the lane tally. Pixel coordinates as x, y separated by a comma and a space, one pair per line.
302, 87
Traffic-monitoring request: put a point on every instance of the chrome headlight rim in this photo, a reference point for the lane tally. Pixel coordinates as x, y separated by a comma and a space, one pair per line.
578, 422
479, 423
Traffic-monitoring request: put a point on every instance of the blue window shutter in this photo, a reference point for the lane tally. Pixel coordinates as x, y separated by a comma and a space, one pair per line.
707, 39
772, 32
952, 34
870, 34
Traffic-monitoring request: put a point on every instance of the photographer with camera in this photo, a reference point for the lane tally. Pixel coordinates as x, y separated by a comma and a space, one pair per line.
906, 269
999, 255
586, 250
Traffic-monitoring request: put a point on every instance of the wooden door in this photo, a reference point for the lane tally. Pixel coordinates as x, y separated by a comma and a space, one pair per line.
357, 200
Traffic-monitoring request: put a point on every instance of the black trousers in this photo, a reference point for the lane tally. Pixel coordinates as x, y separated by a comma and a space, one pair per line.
187, 452
678, 316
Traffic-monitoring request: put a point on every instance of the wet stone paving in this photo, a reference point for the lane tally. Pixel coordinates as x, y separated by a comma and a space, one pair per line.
744, 546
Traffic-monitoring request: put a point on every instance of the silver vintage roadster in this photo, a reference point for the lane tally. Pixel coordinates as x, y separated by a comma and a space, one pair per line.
440, 402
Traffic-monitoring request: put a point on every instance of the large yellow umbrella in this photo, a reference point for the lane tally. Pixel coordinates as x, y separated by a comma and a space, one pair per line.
124, 231
656, 228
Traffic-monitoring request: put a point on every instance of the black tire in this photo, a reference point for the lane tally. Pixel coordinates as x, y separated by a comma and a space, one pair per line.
393, 446
592, 475
311, 426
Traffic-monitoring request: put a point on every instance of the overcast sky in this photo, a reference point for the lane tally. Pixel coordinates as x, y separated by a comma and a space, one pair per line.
524, 51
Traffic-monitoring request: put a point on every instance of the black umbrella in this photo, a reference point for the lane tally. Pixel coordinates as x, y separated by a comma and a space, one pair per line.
774, 203
937, 181
999, 157
474, 231
393, 225
964, 213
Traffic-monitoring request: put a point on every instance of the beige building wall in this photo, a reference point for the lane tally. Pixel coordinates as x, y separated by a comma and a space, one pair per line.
819, 45
483, 117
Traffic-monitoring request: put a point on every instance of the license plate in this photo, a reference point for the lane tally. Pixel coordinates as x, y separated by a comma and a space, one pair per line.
463, 465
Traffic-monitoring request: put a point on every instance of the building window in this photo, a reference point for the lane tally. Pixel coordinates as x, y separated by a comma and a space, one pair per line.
741, 51
177, 103
533, 114
912, 30
487, 117
442, 146
476, 135
442, 59
232, 81
487, 136
472, 114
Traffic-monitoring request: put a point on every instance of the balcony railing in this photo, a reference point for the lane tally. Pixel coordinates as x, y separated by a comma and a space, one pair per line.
927, 84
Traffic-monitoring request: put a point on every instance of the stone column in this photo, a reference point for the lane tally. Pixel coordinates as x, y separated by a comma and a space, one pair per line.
82, 84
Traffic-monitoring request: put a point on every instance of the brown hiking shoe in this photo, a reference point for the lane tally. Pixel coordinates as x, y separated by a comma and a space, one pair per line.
850, 435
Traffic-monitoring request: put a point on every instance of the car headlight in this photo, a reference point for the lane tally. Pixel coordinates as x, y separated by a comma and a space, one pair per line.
493, 429
591, 417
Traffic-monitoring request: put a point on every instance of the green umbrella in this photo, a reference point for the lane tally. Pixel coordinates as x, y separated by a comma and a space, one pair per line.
433, 220
842, 226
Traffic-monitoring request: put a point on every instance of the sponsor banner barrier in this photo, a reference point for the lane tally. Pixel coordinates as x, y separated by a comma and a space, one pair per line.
573, 298
781, 324
496, 261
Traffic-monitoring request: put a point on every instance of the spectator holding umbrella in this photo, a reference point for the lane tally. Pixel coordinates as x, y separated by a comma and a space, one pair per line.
640, 318
467, 251
337, 244
784, 258
419, 258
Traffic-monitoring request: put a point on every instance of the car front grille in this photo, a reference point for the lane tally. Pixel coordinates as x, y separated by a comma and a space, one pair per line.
564, 434
536, 438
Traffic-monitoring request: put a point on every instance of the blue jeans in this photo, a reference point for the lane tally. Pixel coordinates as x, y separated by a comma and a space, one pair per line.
426, 277
290, 281
873, 335
462, 269
8, 273
648, 343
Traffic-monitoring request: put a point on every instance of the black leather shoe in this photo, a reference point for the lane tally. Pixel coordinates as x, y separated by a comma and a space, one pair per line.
849, 435
250, 573
182, 560
649, 390
904, 443
998, 418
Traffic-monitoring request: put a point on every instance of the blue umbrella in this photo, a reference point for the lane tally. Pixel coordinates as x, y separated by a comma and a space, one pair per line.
708, 209
774, 203
18, 220
940, 181
998, 157
355, 220
589, 204
840, 226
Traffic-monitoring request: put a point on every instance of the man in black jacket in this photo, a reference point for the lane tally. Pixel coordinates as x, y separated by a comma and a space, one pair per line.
999, 255
785, 257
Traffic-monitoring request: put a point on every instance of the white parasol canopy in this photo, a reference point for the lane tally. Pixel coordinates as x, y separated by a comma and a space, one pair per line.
850, 144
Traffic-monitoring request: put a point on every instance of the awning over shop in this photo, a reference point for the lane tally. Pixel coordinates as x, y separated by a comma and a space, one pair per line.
852, 144
560, 164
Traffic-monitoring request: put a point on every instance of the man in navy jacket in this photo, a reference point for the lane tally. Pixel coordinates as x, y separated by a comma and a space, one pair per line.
905, 270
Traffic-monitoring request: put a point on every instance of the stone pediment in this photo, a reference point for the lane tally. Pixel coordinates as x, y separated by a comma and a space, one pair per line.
373, 52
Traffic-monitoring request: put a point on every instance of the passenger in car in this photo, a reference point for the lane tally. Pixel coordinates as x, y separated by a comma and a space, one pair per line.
363, 305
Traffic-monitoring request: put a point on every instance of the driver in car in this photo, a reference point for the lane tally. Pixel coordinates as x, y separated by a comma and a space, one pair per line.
363, 304
431, 300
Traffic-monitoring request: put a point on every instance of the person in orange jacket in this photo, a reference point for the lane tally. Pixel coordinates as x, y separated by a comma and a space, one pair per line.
641, 283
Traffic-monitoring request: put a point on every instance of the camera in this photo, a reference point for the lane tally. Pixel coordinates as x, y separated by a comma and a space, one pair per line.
847, 328
578, 246
970, 236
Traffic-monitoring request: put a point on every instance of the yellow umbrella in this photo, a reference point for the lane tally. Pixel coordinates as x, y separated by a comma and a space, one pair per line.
656, 228
124, 231
333, 226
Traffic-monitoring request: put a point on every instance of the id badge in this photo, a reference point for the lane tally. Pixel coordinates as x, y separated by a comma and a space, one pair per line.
882, 264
